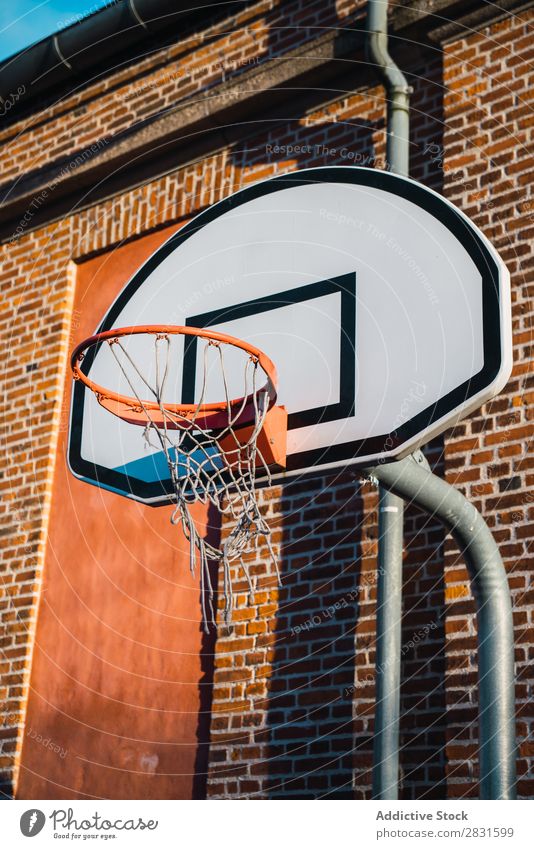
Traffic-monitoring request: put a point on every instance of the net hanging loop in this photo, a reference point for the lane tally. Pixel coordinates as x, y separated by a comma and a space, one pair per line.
211, 449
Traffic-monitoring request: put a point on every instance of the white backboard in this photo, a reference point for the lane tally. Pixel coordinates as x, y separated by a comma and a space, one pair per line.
386, 311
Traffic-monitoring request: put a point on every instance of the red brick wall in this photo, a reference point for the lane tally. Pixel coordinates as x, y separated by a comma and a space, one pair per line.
293, 709
35, 329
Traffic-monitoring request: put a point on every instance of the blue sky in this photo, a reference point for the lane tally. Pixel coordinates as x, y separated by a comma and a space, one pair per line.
24, 21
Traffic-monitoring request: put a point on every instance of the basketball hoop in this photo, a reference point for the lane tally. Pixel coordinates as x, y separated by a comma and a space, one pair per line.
212, 449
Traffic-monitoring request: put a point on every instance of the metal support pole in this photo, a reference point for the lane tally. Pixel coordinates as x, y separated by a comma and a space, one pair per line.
388, 646
410, 479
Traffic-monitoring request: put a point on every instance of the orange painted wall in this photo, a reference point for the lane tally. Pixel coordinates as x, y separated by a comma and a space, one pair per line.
121, 676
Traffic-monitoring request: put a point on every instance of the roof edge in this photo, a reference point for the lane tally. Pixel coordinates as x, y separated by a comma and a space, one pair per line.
118, 26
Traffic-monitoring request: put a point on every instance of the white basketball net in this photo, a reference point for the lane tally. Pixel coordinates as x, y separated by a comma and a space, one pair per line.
202, 470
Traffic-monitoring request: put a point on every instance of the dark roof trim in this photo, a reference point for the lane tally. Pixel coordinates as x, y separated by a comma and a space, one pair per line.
93, 40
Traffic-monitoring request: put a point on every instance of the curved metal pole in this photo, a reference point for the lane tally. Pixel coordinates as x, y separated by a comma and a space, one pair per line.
388, 646
410, 479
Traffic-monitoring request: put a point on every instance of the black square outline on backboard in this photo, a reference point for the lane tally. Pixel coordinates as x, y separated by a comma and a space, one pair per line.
344, 284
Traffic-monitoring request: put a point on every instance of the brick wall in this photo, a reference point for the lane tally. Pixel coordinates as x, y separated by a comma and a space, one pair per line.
35, 329
294, 689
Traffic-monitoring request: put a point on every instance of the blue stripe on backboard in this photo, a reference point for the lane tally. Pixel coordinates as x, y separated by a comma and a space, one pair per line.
154, 467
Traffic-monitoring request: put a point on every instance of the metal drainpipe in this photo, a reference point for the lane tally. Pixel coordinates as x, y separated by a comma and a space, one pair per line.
388, 646
390, 506
397, 89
